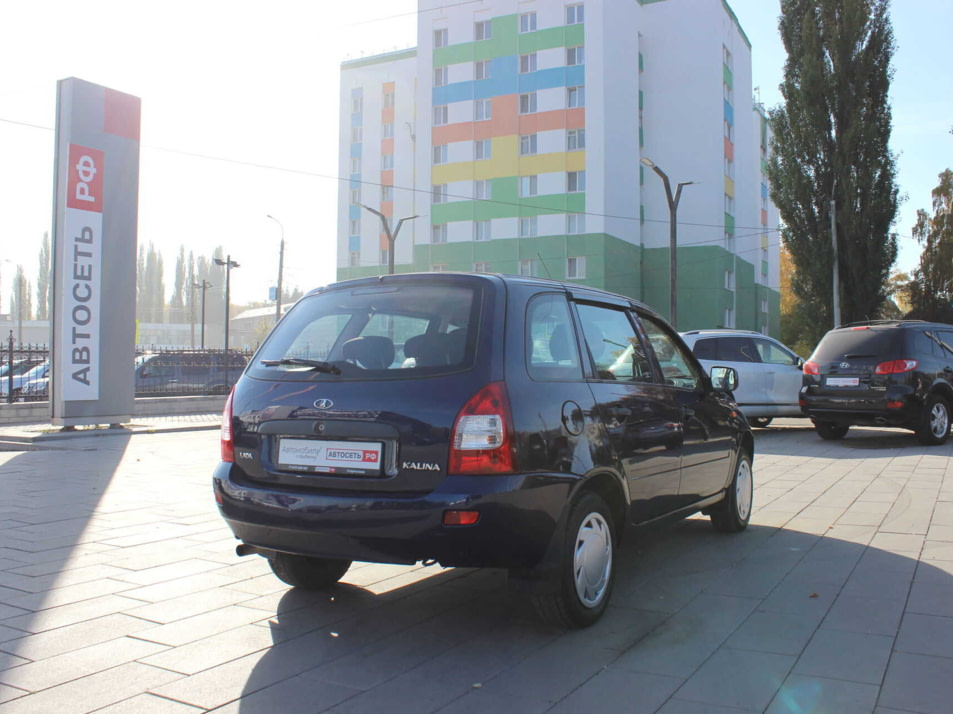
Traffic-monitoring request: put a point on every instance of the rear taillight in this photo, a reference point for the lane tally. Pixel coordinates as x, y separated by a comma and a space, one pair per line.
897, 366
482, 439
812, 368
228, 445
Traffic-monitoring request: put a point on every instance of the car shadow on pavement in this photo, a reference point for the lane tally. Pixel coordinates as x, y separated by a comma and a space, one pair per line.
772, 619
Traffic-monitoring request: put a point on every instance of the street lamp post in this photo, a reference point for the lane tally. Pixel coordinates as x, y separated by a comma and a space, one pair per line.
391, 237
672, 243
229, 264
281, 266
203, 286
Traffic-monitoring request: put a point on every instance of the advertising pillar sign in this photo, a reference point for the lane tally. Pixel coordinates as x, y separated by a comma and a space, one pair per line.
96, 199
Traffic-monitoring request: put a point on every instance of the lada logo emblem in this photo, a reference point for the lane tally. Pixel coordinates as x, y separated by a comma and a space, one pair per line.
844, 365
323, 404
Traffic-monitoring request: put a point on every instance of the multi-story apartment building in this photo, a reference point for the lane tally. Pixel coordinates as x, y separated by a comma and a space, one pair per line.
515, 133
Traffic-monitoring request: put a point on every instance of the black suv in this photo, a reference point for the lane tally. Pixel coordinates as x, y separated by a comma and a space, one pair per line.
475, 420
882, 373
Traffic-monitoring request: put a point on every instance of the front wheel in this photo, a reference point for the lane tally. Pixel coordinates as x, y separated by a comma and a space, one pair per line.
829, 431
934, 426
760, 422
586, 567
735, 512
307, 573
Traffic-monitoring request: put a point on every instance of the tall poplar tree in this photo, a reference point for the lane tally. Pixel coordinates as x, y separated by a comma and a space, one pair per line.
831, 138
931, 290
43, 281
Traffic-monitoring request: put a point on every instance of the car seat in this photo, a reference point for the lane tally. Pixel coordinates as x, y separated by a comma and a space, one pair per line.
370, 351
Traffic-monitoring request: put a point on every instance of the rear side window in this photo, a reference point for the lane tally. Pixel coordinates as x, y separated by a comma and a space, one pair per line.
849, 343
737, 349
375, 332
551, 349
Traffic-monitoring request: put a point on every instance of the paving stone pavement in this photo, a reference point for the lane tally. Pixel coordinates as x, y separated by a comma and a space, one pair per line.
120, 592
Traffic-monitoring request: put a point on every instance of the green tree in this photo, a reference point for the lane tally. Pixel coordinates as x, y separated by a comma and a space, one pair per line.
831, 138
179, 289
43, 281
21, 304
931, 290
150, 288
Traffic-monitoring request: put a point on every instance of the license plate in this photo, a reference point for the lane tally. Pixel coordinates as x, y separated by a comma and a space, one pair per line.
842, 381
333, 457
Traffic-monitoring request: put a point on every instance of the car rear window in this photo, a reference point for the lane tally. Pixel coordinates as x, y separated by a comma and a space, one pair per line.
858, 344
374, 332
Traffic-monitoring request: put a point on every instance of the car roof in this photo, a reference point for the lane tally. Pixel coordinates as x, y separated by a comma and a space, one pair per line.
891, 323
725, 331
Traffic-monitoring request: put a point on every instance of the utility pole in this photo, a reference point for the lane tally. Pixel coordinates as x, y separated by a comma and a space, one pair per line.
391, 237
836, 275
229, 264
281, 268
203, 286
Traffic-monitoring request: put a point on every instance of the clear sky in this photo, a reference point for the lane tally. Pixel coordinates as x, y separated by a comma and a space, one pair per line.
240, 117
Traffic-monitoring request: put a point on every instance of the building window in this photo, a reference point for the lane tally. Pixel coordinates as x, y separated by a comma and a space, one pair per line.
576, 97
357, 135
387, 130
482, 110
729, 94
483, 31
387, 193
356, 165
438, 268
439, 193
481, 267
528, 185
729, 317
354, 259
481, 189
354, 227
729, 205
764, 306
575, 55
726, 56
355, 195
440, 115
575, 268
440, 38
576, 139
528, 22
729, 131
575, 181
483, 149
528, 145
482, 70
528, 268
438, 233
575, 14
387, 162
575, 223
729, 168
357, 104
528, 227
528, 103
730, 279
439, 76
440, 154
385, 256
388, 100
528, 63
481, 231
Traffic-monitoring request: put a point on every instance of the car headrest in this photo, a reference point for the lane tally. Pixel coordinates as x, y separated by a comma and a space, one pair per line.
427, 350
370, 352
559, 347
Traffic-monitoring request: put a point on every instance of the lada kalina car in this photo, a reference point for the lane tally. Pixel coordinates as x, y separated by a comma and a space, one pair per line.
476, 420
882, 373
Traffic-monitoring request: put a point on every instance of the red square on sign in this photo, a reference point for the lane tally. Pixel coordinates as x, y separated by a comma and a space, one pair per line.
370, 456
84, 184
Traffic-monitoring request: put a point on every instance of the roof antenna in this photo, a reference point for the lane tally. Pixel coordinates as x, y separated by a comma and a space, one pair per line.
544, 265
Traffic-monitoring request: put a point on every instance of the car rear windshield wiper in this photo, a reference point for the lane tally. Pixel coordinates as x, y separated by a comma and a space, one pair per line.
301, 362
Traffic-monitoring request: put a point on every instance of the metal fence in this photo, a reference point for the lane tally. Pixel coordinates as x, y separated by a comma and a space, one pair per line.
157, 371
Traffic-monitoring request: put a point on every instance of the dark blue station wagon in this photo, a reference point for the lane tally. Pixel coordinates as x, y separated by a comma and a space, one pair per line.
476, 420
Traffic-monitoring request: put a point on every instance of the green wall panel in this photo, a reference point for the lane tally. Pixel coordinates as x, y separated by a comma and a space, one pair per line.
507, 40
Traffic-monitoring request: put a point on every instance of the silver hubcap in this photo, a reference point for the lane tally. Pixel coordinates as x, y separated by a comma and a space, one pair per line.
592, 559
743, 487
939, 421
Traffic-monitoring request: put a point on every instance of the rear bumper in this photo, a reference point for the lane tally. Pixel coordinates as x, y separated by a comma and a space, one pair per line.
519, 516
862, 411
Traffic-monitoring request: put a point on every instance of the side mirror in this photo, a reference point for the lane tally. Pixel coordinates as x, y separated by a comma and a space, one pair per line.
724, 379
800, 362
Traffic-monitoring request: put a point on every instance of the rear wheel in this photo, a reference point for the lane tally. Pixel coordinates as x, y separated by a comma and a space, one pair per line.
934, 426
308, 573
760, 422
735, 512
830, 432
586, 567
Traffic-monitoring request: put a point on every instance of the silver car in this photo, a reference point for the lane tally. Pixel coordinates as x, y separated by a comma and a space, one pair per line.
769, 374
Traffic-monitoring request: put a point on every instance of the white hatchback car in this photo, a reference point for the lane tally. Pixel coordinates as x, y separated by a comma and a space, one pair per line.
769, 374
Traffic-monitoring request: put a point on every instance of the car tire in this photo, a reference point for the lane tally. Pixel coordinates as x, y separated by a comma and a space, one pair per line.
760, 422
307, 573
586, 568
934, 426
734, 513
830, 432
